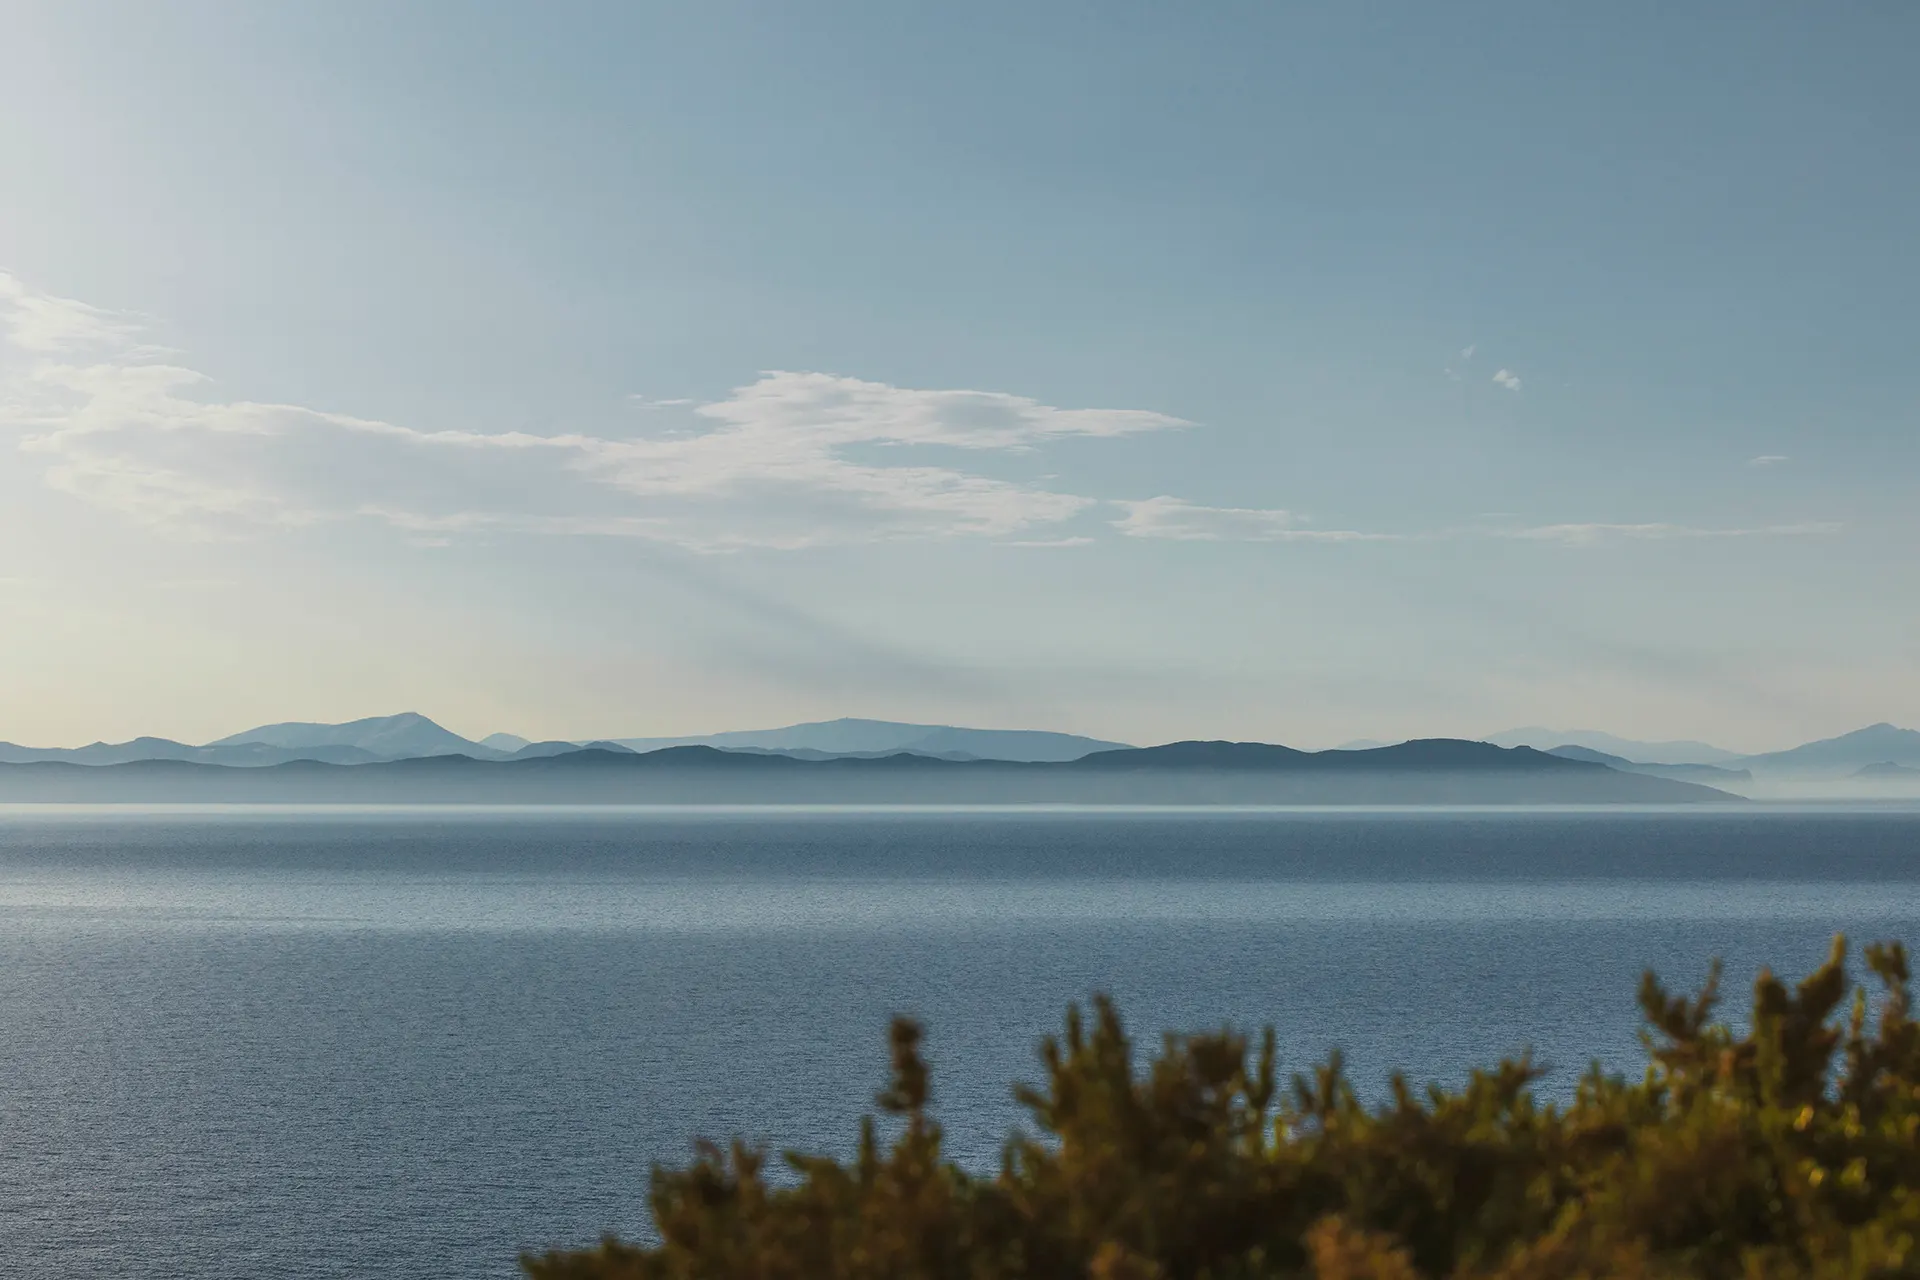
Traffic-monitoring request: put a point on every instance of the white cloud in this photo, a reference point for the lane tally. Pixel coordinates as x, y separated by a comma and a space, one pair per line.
1174, 519
40, 323
1507, 378
1767, 460
791, 459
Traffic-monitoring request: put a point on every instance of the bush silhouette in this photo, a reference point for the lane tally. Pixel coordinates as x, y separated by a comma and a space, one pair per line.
1790, 1151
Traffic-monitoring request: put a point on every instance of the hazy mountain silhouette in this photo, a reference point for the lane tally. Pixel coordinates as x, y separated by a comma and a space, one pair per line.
411, 735
534, 750
1709, 774
1678, 752
1836, 757
1005, 744
1420, 756
849, 737
408, 734
237, 754
1886, 771
1432, 771
809, 753
557, 747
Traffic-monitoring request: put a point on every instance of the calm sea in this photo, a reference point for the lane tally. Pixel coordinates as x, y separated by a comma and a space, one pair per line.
253, 1044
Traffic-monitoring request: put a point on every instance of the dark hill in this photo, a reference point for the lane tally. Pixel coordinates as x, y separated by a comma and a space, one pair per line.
1446, 755
1195, 755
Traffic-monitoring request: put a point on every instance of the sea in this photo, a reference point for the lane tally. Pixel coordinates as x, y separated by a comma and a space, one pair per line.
248, 1042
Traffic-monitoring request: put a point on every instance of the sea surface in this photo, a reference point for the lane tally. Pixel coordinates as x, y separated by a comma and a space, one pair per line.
264, 1043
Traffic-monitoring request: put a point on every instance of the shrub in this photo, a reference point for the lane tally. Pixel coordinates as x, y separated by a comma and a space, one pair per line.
1790, 1151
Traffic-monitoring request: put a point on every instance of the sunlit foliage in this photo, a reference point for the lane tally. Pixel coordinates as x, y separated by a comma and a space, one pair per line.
1792, 1150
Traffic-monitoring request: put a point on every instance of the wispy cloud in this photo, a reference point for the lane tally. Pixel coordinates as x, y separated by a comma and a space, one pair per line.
1767, 460
1180, 521
788, 460
791, 459
42, 324
1507, 378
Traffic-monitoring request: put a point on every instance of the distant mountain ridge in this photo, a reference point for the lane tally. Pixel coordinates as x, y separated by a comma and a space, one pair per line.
1886, 770
411, 735
1712, 775
1882, 755
366, 741
1876, 744
1431, 771
1683, 751
508, 742
392, 737
237, 754
1837, 766
851, 737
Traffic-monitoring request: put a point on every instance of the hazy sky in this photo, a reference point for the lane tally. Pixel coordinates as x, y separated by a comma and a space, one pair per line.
1297, 372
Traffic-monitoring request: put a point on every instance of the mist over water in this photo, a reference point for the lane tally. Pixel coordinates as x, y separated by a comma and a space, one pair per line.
246, 1043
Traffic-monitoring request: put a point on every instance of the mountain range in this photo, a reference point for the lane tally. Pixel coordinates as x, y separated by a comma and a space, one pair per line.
1879, 759
856, 737
1827, 765
1833, 757
1683, 751
383, 737
1709, 774
1440, 771
411, 735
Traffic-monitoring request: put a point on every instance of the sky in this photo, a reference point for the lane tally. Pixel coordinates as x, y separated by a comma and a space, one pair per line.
1263, 371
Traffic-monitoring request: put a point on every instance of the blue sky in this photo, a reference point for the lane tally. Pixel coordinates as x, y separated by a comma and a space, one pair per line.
1263, 371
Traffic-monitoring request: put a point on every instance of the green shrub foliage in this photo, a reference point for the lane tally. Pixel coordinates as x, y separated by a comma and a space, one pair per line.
1790, 1151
